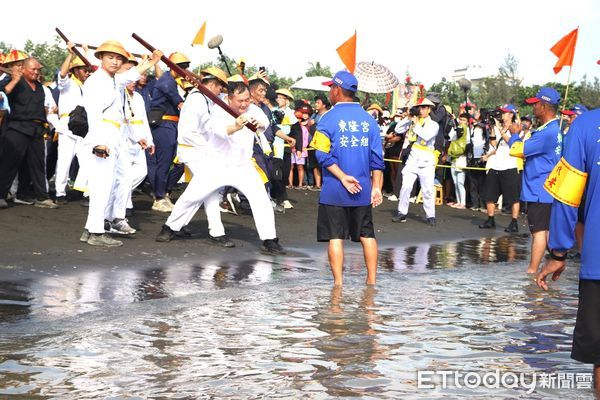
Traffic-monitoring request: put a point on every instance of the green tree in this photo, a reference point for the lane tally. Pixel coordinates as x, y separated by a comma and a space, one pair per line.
589, 92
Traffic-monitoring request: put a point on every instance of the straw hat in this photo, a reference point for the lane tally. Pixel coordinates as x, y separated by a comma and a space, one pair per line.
76, 62
179, 58
237, 78
286, 93
111, 46
1, 58
215, 72
14, 56
425, 102
131, 59
257, 77
375, 106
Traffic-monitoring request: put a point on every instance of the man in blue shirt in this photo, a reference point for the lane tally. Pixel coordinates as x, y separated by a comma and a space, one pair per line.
578, 169
167, 102
541, 153
350, 153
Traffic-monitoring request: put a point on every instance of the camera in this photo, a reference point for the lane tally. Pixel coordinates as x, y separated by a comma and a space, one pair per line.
491, 115
278, 116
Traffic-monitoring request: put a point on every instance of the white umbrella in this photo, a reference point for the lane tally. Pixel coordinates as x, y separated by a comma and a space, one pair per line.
375, 78
312, 83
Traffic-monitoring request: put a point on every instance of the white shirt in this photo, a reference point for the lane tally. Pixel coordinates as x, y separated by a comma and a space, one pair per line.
501, 160
426, 134
137, 121
103, 99
478, 141
50, 105
71, 96
196, 127
237, 148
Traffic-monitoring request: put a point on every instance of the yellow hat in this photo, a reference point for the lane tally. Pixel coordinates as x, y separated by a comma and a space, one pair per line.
185, 85
14, 56
286, 93
1, 58
237, 78
179, 58
257, 77
111, 46
375, 106
215, 72
76, 62
131, 59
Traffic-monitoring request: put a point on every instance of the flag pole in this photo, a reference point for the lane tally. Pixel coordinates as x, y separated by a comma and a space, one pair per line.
566, 97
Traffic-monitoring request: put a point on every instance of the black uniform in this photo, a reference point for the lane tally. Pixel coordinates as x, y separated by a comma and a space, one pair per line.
23, 137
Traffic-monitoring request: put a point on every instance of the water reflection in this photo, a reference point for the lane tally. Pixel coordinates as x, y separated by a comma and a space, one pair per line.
264, 328
351, 344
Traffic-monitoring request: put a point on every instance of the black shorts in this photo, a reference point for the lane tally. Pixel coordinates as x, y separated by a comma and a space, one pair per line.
336, 222
505, 183
586, 336
312, 159
538, 216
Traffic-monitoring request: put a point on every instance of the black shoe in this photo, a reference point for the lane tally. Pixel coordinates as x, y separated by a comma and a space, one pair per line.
85, 202
272, 246
221, 241
431, 221
490, 223
166, 234
61, 200
399, 218
184, 232
513, 227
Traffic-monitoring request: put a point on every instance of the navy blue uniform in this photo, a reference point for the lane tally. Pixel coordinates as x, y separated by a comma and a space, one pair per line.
166, 98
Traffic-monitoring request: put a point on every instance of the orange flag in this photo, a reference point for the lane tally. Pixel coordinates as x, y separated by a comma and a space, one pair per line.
564, 49
347, 53
199, 38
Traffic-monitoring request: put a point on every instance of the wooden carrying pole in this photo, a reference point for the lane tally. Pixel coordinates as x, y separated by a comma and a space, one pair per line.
77, 52
194, 80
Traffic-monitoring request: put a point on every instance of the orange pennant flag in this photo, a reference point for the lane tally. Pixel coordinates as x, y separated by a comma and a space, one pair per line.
564, 49
199, 38
347, 53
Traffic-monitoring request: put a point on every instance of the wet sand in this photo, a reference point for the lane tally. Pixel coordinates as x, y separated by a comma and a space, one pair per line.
34, 239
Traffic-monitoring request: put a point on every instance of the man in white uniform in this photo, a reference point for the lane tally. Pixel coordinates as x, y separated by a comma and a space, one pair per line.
421, 163
105, 144
195, 129
231, 145
71, 77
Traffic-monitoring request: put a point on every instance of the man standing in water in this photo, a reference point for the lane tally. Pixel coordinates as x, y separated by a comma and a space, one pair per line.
349, 150
578, 169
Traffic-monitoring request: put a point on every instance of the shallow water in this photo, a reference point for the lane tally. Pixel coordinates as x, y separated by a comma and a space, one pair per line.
274, 327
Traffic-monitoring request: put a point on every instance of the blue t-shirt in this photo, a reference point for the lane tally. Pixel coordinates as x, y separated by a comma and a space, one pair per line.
165, 95
542, 151
582, 152
348, 136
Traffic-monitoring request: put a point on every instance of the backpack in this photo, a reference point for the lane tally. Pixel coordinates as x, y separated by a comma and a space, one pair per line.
78, 122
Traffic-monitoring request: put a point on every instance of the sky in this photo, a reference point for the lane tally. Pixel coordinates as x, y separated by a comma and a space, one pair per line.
430, 39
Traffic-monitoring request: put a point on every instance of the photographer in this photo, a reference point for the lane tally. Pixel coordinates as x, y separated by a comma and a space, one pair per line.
457, 149
421, 163
478, 146
503, 177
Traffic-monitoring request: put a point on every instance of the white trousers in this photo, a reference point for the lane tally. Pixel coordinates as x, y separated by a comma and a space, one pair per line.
67, 148
109, 186
207, 178
426, 175
137, 171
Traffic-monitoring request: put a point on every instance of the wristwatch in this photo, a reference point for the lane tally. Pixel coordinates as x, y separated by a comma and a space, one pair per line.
555, 256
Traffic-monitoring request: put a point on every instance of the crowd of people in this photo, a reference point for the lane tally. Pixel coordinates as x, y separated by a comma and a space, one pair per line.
57, 133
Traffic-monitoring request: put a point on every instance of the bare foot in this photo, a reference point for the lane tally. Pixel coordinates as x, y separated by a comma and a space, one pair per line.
531, 271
